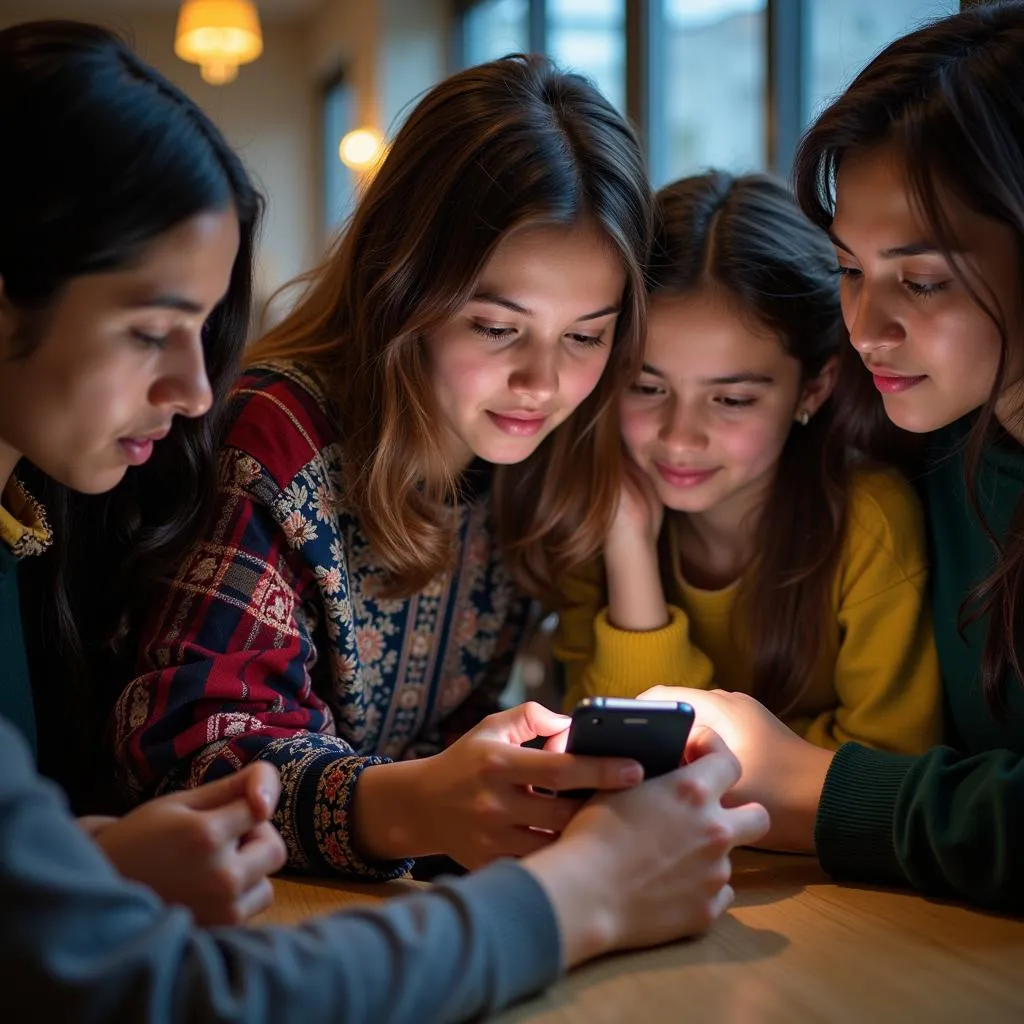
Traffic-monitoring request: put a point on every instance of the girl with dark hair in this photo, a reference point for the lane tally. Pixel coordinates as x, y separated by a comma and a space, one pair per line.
794, 569
124, 287
917, 172
124, 302
429, 436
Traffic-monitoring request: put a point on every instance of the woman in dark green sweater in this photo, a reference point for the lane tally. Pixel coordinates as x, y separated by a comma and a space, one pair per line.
917, 173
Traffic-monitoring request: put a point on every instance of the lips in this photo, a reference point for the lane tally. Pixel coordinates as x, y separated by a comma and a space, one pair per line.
684, 476
518, 424
892, 383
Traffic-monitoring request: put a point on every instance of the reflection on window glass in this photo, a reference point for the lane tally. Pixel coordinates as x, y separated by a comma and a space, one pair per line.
708, 108
494, 28
589, 36
339, 183
845, 36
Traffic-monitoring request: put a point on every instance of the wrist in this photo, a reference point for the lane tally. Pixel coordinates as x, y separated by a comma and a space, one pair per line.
636, 597
580, 893
795, 823
388, 822
94, 824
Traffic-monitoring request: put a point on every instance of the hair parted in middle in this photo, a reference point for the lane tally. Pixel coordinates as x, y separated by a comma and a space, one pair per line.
492, 149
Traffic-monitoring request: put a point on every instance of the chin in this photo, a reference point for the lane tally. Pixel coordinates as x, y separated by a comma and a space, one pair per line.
917, 418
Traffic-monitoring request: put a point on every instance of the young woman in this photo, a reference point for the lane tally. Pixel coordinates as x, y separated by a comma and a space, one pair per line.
106, 278
795, 567
918, 174
124, 289
421, 442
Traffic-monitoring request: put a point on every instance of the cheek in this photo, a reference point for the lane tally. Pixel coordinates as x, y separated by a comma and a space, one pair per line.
462, 374
639, 426
756, 443
581, 376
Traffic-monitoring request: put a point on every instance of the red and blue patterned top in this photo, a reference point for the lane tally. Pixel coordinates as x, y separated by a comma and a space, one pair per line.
273, 643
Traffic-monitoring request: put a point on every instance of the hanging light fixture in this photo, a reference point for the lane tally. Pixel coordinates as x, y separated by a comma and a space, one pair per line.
362, 150
218, 35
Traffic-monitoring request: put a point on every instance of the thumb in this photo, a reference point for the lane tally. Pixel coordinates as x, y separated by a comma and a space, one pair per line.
258, 784
523, 722
703, 741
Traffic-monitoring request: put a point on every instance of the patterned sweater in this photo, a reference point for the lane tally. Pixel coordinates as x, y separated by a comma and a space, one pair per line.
273, 642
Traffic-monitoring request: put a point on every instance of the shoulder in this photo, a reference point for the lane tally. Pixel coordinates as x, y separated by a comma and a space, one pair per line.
279, 417
885, 515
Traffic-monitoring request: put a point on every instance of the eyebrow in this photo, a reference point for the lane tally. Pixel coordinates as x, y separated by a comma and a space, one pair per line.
732, 378
920, 248
176, 302
500, 300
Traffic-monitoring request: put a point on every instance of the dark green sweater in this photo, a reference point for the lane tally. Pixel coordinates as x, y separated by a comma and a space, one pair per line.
15, 688
952, 821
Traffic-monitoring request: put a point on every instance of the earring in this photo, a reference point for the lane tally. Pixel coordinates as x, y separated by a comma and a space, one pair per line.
803, 417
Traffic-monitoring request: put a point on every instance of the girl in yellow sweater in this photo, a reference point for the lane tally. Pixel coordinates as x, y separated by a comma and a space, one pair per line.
752, 550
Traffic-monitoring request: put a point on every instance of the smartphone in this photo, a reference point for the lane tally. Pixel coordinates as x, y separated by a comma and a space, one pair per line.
653, 732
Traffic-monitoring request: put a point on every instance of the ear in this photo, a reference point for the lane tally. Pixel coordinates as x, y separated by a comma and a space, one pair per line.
816, 391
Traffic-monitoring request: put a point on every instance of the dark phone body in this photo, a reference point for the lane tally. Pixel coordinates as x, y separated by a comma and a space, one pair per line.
651, 732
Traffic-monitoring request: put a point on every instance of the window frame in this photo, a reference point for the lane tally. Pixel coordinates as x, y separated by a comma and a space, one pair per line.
786, 61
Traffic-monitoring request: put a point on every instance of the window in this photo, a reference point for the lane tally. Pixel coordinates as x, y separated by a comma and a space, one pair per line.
726, 83
708, 102
494, 28
338, 180
589, 36
845, 36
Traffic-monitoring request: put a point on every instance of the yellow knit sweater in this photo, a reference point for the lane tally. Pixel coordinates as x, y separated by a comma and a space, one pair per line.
879, 679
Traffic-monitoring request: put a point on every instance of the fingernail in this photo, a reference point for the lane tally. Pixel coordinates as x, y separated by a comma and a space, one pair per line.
268, 799
631, 776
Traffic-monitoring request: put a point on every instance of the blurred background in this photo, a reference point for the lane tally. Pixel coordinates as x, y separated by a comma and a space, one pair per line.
724, 82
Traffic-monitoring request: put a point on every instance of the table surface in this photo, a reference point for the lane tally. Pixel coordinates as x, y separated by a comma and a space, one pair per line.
794, 947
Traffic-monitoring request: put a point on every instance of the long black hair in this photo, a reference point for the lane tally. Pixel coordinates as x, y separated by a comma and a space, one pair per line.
948, 100
101, 156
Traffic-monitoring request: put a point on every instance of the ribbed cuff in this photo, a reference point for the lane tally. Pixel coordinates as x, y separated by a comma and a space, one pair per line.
854, 832
626, 662
518, 922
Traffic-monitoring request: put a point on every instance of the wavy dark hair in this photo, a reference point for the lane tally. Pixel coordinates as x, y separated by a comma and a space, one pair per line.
103, 156
947, 100
746, 237
487, 151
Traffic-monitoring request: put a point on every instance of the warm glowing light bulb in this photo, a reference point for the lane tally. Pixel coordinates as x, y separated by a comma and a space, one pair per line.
361, 149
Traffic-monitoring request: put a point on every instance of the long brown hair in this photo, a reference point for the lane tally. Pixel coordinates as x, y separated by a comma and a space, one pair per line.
746, 237
948, 100
488, 150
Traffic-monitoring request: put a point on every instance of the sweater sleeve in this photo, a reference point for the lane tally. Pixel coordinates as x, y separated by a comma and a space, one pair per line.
887, 680
940, 822
78, 942
603, 661
225, 659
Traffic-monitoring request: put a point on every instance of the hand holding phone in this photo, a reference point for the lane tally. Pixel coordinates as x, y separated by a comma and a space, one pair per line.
649, 731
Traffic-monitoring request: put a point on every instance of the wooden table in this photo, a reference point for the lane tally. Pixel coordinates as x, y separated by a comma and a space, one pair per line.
794, 948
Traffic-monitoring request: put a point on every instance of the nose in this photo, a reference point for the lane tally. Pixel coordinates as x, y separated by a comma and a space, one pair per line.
535, 374
683, 429
871, 327
183, 385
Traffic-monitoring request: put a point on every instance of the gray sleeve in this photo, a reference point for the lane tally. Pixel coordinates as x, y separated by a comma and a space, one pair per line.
78, 942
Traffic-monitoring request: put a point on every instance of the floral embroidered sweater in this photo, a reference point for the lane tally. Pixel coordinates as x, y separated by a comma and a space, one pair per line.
273, 642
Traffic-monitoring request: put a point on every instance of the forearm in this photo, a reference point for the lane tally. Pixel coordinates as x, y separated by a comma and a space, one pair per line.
79, 943
636, 597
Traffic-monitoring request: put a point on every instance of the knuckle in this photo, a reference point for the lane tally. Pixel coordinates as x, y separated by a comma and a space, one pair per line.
719, 837
693, 789
487, 808
492, 761
228, 881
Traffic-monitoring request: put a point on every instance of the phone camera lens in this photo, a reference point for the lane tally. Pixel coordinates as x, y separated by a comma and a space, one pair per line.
595, 721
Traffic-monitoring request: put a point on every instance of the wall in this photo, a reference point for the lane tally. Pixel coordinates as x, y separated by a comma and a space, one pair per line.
268, 114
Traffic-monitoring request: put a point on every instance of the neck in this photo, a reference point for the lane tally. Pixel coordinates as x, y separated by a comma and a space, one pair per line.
8, 460
718, 544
